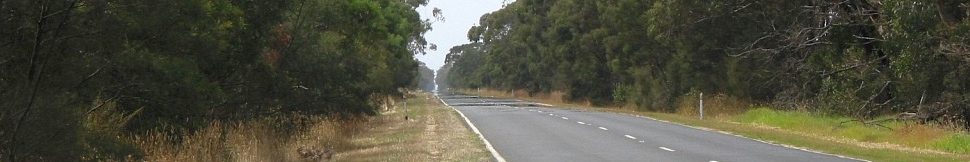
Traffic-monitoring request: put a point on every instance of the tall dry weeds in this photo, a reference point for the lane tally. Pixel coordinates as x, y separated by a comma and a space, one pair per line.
714, 105
258, 140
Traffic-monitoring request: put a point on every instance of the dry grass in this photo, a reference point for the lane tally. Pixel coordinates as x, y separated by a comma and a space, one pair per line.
718, 106
433, 132
917, 135
251, 141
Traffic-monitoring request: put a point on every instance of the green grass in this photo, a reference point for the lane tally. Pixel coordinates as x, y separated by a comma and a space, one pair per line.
786, 119
957, 142
819, 124
822, 143
907, 134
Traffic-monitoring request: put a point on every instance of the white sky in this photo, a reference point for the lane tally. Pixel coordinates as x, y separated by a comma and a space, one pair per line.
459, 16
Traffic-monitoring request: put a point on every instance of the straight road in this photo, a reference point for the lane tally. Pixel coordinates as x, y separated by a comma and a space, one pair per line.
525, 131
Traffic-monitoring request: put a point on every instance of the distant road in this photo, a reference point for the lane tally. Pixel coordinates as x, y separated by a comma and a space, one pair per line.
530, 132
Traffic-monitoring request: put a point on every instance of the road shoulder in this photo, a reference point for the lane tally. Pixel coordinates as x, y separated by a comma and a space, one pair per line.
433, 132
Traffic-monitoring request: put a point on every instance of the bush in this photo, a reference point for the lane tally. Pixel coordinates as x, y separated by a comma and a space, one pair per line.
103, 127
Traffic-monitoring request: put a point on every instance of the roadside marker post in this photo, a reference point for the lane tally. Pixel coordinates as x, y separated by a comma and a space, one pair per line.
405, 107
702, 105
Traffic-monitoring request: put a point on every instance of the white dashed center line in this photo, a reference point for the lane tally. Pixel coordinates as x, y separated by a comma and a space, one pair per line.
641, 141
603, 128
580, 122
629, 136
565, 118
668, 149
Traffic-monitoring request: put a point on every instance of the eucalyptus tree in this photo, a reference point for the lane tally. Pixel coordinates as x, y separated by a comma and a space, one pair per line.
859, 58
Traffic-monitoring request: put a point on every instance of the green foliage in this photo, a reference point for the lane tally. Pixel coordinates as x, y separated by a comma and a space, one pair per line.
103, 129
471, 73
856, 58
426, 80
174, 66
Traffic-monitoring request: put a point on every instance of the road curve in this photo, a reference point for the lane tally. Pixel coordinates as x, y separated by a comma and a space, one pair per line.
525, 131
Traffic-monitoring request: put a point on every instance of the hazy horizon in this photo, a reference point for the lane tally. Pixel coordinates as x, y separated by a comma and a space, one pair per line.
460, 15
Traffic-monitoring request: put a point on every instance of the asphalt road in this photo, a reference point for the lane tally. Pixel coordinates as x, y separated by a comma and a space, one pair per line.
525, 131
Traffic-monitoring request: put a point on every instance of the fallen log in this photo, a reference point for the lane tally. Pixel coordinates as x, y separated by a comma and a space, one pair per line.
866, 123
921, 118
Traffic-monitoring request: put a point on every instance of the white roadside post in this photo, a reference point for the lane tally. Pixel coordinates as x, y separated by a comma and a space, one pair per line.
702, 105
405, 106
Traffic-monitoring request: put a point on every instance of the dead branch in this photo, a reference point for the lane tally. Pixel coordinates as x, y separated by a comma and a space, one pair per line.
919, 116
866, 123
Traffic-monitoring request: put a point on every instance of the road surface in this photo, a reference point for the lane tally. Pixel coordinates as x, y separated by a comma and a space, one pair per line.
525, 131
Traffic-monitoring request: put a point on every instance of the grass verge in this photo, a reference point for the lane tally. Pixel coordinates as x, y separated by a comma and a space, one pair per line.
433, 132
902, 142
261, 140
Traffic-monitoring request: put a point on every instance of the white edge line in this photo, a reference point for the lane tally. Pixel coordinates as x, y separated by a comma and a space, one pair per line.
629, 136
668, 149
544, 104
488, 145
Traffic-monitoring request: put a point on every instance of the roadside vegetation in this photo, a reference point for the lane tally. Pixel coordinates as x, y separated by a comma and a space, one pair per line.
856, 58
200, 80
287, 138
890, 73
896, 141
432, 132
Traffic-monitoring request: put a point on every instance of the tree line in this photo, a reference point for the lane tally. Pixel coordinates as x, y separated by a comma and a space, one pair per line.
176, 65
860, 58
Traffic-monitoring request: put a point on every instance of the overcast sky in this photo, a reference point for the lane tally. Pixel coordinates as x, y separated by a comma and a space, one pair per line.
459, 16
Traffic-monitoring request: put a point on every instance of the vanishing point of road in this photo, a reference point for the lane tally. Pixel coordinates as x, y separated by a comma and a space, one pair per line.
524, 131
